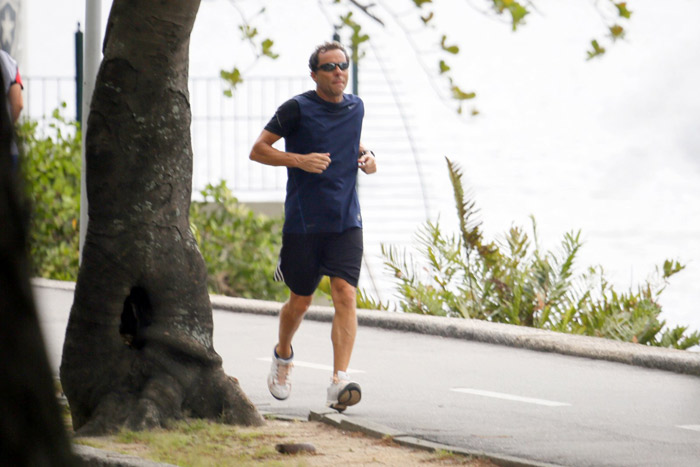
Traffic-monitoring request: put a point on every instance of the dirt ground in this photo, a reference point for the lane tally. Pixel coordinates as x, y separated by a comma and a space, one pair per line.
333, 447
338, 447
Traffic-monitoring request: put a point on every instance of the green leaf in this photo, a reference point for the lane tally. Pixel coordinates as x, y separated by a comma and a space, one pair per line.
444, 67
617, 31
357, 36
460, 95
517, 13
596, 51
233, 78
671, 267
622, 10
453, 49
267, 49
420, 3
248, 32
516, 10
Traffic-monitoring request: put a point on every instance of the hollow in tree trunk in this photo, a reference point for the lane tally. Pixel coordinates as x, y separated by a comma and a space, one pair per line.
138, 347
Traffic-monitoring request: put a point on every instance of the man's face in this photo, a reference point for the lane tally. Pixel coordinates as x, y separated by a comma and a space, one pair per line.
331, 84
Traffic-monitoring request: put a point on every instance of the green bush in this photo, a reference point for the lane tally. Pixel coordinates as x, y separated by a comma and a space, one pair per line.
239, 247
51, 165
513, 281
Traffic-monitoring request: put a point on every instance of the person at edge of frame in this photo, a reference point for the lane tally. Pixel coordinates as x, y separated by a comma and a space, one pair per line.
13, 92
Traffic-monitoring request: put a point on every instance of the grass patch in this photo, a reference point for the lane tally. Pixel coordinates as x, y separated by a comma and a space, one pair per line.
196, 442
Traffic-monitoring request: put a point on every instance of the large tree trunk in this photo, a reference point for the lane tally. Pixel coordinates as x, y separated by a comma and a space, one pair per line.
31, 429
138, 347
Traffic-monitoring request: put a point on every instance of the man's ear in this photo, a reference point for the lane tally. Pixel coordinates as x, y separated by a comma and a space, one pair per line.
313, 76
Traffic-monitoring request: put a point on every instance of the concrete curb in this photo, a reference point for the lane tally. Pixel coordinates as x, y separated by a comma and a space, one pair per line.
101, 458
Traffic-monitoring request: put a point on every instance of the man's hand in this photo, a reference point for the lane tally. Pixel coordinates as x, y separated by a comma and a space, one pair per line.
263, 152
367, 163
315, 162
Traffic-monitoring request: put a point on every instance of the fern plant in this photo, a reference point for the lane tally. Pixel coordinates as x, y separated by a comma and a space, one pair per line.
513, 280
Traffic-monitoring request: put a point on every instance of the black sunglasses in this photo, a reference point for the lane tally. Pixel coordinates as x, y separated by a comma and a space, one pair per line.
330, 66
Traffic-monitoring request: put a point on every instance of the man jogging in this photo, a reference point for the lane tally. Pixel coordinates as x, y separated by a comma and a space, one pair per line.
322, 232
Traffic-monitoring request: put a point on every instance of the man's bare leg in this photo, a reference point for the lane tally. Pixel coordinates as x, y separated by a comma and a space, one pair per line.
343, 392
344, 327
291, 316
278, 380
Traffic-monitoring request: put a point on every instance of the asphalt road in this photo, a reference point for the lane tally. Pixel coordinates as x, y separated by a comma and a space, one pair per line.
532, 405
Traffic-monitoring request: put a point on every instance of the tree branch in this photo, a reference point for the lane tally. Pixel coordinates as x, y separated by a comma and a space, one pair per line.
365, 10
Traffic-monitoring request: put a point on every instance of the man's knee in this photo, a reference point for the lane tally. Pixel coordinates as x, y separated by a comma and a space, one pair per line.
298, 304
344, 294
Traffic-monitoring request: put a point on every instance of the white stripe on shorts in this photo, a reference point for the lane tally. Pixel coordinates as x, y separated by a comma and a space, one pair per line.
278, 276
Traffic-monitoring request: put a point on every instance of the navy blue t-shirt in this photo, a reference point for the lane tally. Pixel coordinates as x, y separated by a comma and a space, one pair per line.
325, 202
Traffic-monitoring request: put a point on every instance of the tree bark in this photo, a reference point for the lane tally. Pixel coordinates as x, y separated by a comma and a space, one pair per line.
31, 429
138, 347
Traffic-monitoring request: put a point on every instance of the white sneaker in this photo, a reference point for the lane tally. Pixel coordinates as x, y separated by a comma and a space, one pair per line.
343, 393
279, 380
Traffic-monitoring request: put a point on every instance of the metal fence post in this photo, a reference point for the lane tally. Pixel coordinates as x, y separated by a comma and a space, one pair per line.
93, 56
79, 76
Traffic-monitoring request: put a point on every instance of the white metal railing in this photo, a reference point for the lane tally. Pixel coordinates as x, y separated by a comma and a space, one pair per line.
223, 128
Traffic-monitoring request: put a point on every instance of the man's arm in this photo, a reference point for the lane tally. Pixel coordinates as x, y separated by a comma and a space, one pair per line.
264, 153
14, 96
366, 162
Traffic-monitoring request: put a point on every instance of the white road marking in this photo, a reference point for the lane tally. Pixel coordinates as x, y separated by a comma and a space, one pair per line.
689, 427
510, 397
314, 366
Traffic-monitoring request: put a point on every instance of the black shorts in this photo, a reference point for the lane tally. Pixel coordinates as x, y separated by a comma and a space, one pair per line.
306, 258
